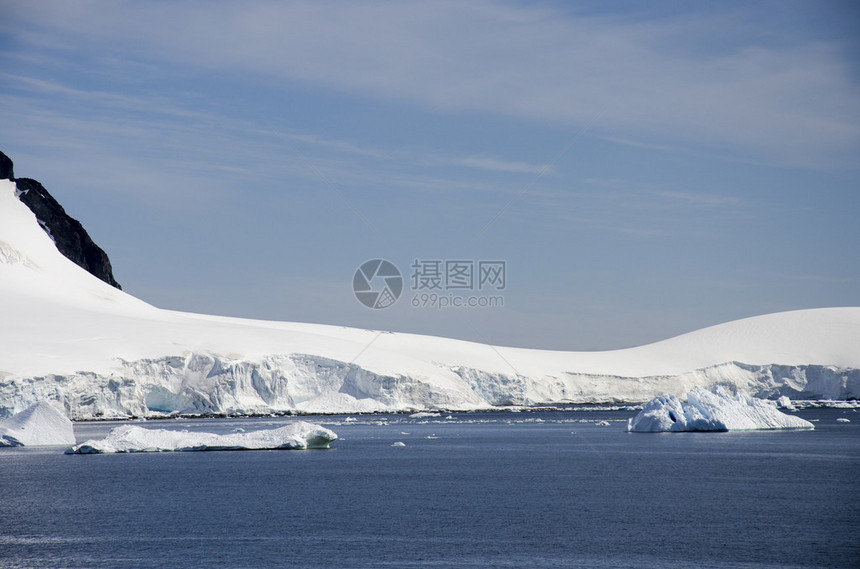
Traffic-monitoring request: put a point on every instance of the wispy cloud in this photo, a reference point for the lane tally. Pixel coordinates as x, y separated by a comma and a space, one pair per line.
95, 119
153, 104
336, 145
195, 149
497, 165
656, 82
824, 279
637, 193
700, 199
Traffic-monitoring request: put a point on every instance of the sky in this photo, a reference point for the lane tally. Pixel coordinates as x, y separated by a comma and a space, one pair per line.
643, 169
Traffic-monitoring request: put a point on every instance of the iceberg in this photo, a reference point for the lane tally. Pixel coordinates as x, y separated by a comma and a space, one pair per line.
131, 438
716, 410
41, 424
784, 402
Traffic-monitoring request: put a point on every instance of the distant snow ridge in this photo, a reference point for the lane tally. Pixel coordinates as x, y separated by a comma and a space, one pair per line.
41, 424
129, 438
716, 410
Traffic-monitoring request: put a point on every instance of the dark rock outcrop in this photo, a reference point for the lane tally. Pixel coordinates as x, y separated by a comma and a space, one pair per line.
70, 237
6, 170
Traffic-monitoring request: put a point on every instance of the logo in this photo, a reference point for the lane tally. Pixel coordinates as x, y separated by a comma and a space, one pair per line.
377, 284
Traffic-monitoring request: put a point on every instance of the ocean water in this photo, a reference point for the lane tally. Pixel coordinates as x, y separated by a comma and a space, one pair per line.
530, 489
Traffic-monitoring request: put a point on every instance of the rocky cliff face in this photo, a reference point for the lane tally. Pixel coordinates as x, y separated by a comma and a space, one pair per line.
70, 237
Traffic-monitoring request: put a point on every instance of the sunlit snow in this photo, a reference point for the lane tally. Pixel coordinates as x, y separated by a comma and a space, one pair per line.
41, 424
716, 410
131, 438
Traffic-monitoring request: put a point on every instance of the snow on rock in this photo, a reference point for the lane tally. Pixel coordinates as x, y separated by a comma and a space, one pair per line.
130, 438
716, 410
41, 424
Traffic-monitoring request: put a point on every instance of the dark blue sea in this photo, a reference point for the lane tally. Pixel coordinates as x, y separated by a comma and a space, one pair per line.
534, 489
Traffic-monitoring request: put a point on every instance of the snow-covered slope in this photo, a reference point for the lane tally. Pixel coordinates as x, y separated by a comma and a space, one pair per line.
68, 337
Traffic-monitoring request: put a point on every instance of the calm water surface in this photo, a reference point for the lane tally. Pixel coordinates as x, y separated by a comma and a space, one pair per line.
531, 489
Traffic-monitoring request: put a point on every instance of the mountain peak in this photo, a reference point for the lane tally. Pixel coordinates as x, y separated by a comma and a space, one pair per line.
67, 233
6, 171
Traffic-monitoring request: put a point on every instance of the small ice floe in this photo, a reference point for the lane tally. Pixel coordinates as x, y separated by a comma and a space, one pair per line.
423, 415
350, 420
130, 438
433, 436
602, 423
843, 420
41, 424
398, 444
404, 433
716, 410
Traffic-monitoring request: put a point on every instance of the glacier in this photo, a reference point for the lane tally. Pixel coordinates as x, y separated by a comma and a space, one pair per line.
715, 410
40, 424
208, 384
98, 352
131, 438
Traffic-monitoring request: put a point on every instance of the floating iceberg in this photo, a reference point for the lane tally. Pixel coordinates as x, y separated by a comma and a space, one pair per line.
130, 438
41, 424
716, 410
784, 402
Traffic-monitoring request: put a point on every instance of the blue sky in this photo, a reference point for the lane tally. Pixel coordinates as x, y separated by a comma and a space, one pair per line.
644, 169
